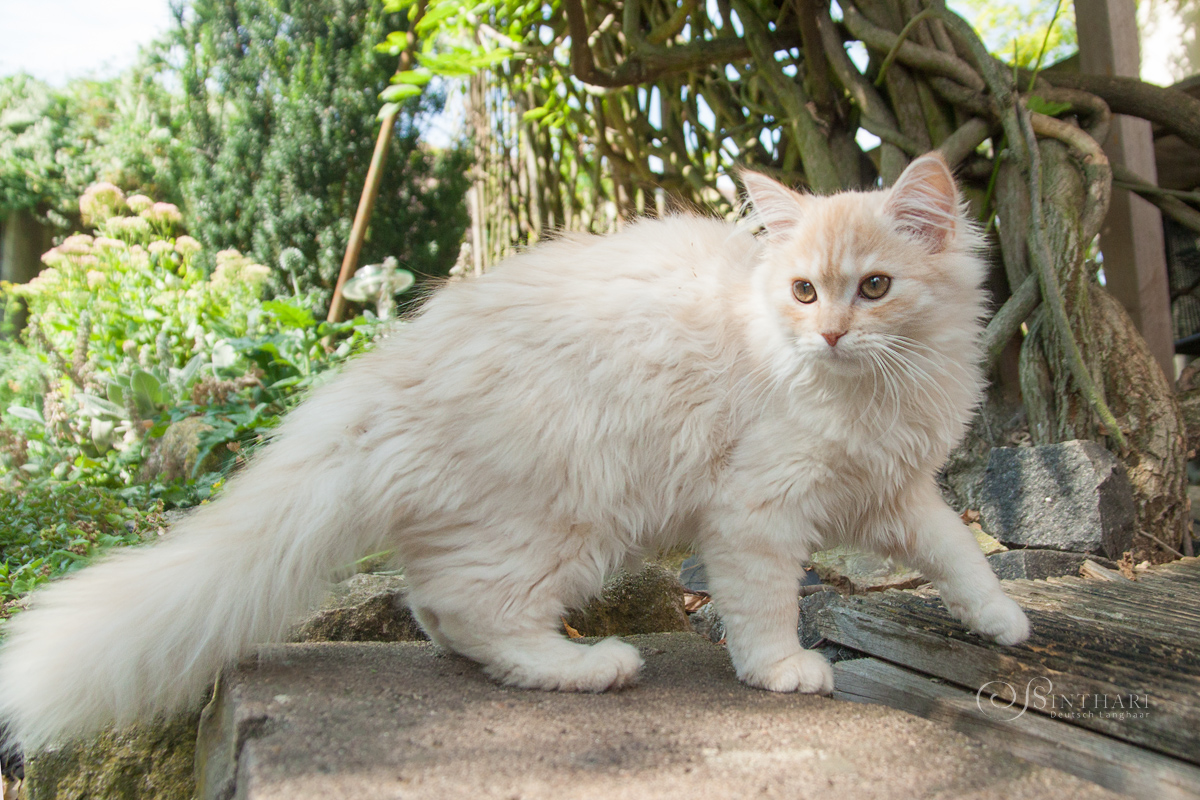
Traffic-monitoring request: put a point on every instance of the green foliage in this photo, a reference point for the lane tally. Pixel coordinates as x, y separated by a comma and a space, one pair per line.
281, 117
56, 142
129, 340
50, 529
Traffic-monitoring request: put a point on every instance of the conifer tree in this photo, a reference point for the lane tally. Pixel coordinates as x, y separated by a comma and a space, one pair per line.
282, 100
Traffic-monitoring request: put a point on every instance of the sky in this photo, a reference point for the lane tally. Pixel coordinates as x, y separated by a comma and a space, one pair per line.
56, 40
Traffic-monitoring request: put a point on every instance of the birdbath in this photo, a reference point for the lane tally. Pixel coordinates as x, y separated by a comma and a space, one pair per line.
378, 283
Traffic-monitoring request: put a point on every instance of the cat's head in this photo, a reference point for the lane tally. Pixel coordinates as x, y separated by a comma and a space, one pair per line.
860, 272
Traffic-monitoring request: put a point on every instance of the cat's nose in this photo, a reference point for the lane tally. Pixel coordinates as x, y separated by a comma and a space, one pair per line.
832, 338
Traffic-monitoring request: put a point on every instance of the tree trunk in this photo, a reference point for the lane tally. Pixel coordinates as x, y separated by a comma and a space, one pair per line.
1128, 377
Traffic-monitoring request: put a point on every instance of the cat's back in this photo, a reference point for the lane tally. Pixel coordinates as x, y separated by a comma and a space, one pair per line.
652, 268
576, 370
659, 287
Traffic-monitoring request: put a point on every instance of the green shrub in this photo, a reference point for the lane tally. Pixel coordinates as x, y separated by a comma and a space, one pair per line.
55, 142
128, 339
53, 528
280, 117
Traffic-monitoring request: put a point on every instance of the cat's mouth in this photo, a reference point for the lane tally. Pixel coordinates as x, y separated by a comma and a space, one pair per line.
839, 358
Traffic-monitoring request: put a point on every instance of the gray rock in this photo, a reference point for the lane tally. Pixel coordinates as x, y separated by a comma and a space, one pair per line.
693, 575
1074, 496
707, 622
1035, 564
365, 608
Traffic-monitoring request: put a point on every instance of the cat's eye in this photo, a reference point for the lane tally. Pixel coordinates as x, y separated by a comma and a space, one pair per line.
874, 287
804, 291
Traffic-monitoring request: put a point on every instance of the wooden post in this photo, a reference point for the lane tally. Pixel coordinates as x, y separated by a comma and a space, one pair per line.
366, 203
1132, 237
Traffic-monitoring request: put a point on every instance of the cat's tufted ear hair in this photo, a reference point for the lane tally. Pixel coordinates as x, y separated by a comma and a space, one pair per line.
774, 206
924, 201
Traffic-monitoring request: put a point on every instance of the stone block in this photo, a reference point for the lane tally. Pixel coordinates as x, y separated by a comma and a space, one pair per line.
1073, 496
403, 720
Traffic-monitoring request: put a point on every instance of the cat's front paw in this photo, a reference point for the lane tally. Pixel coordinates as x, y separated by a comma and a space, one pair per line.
1001, 619
806, 672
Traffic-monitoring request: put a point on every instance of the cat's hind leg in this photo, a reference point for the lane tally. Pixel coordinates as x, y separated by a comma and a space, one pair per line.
509, 619
937, 543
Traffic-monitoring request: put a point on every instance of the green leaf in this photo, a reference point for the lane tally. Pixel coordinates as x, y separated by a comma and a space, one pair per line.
289, 315
115, 393
395, 43
103, 433
27, 414
147, 392
387, 110
394, 94
434, 16
1040, 105
533, 115
97, 407
188, 374
393, 6
417, 77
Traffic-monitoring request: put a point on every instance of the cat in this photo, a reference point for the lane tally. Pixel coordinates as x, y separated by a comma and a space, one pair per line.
534, 429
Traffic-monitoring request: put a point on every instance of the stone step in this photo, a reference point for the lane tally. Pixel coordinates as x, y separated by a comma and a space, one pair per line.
404, 720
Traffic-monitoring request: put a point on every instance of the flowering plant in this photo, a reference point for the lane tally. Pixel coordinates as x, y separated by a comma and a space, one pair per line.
128, 335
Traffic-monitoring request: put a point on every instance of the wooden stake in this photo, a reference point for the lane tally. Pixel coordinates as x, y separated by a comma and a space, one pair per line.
366, 203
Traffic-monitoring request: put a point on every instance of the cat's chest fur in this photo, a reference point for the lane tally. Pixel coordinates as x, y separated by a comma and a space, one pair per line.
822, 470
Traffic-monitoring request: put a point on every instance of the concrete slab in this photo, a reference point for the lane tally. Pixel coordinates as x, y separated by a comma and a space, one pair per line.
387, 720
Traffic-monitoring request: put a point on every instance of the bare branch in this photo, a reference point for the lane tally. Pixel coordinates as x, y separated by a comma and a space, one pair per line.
1173, 207
1177, 112
1007, 320
924, 58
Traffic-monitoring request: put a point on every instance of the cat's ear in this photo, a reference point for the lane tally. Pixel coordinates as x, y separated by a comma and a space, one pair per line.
924, 201
775, 207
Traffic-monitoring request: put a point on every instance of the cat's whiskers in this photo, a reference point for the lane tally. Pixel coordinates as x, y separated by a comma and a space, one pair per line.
922, 351
919, 379
892, 382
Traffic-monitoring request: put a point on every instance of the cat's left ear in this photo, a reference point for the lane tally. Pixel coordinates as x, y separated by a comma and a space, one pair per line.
924, 201
776, 207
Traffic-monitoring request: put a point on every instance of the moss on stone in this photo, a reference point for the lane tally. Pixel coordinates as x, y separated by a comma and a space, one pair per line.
649, 601
150, 762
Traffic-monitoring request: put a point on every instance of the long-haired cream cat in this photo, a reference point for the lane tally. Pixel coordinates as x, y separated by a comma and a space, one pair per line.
535, 428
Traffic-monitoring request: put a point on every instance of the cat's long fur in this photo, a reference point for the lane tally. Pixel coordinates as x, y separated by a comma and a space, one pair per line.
532, 429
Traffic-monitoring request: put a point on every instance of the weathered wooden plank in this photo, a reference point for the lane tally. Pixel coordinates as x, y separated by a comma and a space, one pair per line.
1058, 643
917, 633
1110, 763
1189, 567
1138, 614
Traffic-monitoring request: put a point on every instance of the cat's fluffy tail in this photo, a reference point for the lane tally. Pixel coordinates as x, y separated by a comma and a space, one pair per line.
146, 630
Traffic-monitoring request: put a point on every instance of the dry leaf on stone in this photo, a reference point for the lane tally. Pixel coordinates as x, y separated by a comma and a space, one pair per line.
694, 601
571, 632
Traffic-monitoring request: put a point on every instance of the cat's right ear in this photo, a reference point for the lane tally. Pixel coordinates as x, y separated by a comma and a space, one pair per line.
777, 208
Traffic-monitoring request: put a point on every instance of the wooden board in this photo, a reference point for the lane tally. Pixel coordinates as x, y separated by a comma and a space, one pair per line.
1117, 658
1111, 763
